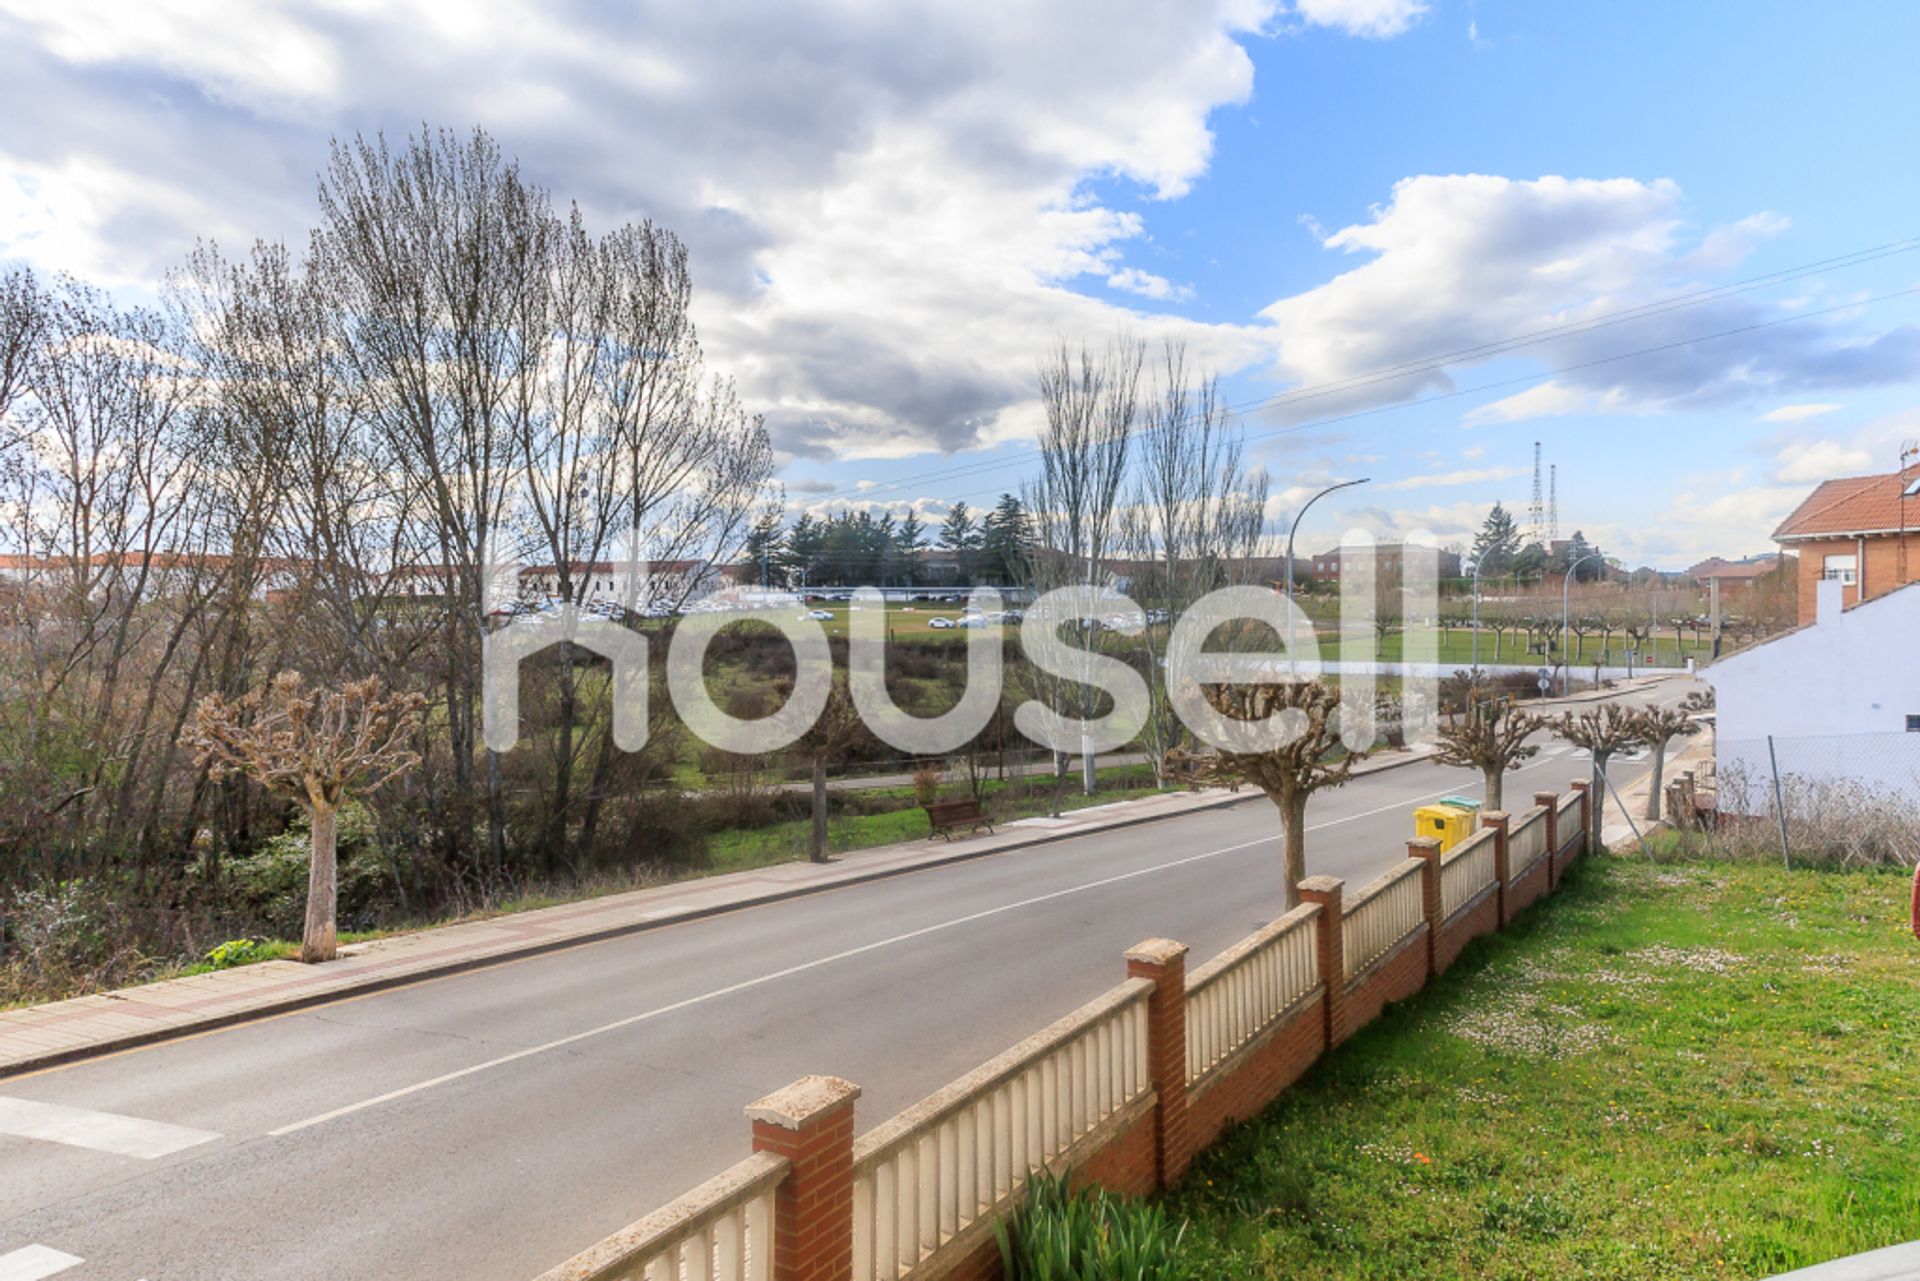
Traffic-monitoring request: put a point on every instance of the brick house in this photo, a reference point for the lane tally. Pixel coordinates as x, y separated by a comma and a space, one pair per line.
1862, 532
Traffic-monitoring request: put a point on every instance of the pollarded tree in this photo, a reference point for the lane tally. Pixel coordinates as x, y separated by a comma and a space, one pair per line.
1490, 735
313, 746
1604, 731
831, 736
1292, 773
1660, 725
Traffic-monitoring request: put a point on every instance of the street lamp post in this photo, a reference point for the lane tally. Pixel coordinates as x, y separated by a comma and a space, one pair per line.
1566, 670
1294, 528
1476, 617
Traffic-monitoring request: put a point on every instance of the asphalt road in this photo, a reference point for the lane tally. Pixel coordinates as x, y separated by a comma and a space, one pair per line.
487, 1125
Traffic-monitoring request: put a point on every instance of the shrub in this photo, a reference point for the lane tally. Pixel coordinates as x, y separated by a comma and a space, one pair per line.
926, 785
1060, 1235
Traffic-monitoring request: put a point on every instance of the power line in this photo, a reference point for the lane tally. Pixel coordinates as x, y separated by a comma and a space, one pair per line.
1480, 351
1543, 375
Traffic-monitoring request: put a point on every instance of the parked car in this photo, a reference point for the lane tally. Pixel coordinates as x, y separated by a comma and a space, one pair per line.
820, 615
942, 623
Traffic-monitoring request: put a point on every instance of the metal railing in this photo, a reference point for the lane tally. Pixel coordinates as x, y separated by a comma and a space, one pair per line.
1235, 996
931, 1172
1382, 914
720, 1231
1466, 870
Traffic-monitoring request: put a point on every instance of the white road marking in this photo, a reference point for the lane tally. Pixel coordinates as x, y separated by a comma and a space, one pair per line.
776, 975
100, 1131
35, 1262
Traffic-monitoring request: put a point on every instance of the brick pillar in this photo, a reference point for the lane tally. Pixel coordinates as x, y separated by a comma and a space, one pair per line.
1165, 963
1427, 850
810, 1123
1497, 820
1585, 788
1551, 801
1327, 892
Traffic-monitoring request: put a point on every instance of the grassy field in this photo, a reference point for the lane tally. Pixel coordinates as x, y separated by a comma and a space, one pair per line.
1669, 1070
738, 850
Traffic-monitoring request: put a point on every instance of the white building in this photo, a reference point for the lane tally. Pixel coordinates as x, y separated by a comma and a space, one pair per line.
1839, 698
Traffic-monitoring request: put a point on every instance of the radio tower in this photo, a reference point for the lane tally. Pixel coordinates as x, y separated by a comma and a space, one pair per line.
1536, 514
1553, 504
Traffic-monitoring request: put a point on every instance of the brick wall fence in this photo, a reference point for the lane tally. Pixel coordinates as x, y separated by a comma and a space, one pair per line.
1122, 1093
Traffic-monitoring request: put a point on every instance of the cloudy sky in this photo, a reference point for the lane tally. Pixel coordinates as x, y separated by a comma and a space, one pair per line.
1413, 236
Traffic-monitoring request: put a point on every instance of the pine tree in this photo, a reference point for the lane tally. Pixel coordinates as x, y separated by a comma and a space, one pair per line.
961, 535
909, 536
1497, 545
1006, 541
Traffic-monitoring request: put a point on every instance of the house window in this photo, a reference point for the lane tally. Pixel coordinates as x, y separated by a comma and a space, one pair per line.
1841, 569
1913, 724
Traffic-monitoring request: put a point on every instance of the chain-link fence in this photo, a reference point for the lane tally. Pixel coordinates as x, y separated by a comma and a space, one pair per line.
1843, 798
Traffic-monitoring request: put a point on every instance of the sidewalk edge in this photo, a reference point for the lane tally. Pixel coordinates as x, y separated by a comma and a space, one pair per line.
290, 1004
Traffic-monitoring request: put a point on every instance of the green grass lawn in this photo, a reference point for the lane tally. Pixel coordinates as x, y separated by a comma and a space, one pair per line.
1668, 1070
738, 850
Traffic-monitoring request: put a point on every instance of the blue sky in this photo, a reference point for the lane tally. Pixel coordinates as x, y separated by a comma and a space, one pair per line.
893, 210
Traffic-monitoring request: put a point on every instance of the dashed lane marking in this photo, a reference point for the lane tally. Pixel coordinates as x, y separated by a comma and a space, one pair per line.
99, 1131
36, 1261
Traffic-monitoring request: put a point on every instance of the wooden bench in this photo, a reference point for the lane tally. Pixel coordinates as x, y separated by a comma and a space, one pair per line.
945, 816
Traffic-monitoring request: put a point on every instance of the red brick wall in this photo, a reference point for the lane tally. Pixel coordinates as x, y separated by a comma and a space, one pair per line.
1127, 1164
1531, 885
1395, 978
1256, 1076
1879, 569
1480, 916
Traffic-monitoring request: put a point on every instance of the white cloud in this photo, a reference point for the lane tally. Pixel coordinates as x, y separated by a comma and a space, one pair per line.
887, 207
1377, 19
1548, 400
1795, 413
1457, 267
1135, 281
1817, 460
1465, 476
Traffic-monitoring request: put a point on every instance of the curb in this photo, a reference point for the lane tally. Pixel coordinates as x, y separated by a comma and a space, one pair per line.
290, 1004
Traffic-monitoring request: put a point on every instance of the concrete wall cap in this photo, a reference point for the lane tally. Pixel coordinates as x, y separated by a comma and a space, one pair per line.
806, 1100
1157, 952
1323, 884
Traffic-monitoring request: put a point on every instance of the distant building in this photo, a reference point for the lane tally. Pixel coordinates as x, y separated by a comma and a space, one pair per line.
1389, 561
1862, 532
1732, 574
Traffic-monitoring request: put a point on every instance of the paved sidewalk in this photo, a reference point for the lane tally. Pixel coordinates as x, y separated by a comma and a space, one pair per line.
1616, 832
42, 1035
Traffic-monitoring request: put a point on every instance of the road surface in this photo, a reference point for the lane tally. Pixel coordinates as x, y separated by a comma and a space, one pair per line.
487, 1125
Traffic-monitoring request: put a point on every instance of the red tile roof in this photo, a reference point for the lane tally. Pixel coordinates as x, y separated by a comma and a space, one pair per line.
1854, 505
1733, 570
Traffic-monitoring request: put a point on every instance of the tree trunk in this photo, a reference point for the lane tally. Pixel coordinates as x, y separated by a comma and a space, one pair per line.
817, 839
1495, 789
1293, 812
1059, 782
1659, 767
317, 944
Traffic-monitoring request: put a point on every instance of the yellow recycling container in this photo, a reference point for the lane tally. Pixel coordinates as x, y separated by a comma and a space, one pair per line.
1449, 821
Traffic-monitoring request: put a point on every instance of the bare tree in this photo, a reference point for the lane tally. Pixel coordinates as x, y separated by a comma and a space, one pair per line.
313, 746
1289, 774
1092, 404
1604, 731
1193, 524
1658, 727
1489, 735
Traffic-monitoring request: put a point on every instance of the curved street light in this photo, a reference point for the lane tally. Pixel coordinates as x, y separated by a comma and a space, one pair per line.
1566, 668
1294, 528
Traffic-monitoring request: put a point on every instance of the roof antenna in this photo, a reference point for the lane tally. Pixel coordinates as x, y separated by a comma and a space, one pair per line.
1908, 489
